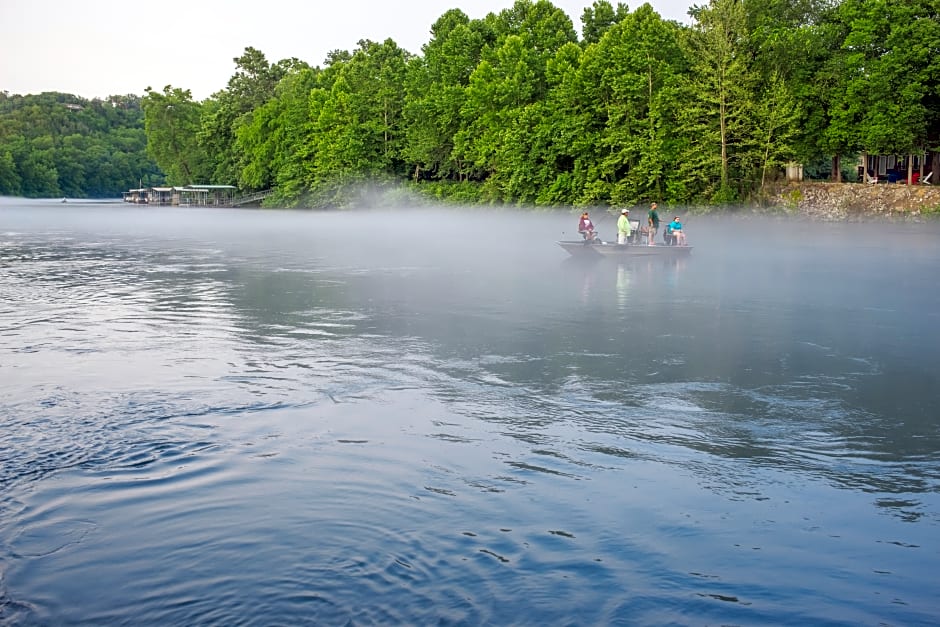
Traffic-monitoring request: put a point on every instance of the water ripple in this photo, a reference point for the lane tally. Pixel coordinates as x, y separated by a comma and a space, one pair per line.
270, 427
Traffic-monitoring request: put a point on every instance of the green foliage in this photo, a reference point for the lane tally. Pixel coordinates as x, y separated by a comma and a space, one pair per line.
252, 87
932, 212
55, 144
357, 128
514, 109
270, 138
892, 54
171, 120
793, 198
720, 91
638, 67
598, 18
504, 143
435, 93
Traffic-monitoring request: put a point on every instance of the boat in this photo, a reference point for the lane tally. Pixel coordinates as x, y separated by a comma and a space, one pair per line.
597, 249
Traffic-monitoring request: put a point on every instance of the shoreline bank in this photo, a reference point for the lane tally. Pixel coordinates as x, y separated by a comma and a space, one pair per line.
855, 201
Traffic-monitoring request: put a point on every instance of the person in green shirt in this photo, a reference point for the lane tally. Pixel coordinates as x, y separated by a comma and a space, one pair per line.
652, 220
623, 226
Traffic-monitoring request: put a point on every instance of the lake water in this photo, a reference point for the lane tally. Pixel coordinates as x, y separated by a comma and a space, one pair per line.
417, 417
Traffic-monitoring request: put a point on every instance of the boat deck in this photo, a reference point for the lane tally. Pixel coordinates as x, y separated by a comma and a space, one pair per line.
582, 248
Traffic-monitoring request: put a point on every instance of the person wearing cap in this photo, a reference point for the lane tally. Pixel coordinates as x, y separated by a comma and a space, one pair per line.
675, 227
623, 226
652, 220
586, 227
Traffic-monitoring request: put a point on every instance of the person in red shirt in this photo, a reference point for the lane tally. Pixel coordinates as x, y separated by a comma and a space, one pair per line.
586, 227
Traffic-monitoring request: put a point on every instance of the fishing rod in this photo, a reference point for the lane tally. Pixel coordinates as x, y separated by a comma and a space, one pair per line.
609, 212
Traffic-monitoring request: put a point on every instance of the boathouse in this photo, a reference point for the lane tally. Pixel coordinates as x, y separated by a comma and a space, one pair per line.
206, 196
140, 196
187, 196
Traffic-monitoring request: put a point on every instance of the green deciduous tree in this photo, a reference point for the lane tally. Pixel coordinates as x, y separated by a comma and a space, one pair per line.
598, 18
891, 58
172, 121
788, 47
271, 139
641, 65
435, 93
503, 106
567, 131
357, 133
50, 142
718, 91
10, 182
513, 108
253, 84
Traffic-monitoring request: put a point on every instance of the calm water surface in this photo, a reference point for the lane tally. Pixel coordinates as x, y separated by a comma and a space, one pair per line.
409, 417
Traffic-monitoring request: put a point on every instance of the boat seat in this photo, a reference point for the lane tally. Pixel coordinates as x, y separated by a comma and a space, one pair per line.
634, 231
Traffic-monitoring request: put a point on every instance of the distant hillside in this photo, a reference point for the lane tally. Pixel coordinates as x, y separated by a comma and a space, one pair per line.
55, 144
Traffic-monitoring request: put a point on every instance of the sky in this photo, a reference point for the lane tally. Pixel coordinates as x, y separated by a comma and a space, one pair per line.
99, 48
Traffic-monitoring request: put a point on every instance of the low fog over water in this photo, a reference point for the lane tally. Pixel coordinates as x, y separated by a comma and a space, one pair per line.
422, 416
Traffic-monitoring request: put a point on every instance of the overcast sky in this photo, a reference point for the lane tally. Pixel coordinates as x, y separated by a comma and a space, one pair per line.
98, 48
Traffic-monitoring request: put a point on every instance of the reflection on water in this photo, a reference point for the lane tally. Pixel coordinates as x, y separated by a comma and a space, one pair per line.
239, 417
623, 285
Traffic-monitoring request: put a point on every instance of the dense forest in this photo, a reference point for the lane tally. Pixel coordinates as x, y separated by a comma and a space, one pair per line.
56, 144
516, 108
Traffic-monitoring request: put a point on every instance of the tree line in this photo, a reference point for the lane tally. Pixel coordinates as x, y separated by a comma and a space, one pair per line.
515, 108
56, 144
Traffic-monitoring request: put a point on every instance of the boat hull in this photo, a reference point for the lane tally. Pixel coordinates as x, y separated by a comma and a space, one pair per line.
623, 251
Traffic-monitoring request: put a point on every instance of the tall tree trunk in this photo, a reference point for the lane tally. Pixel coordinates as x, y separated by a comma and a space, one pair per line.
724, 145
385, 128
836, 169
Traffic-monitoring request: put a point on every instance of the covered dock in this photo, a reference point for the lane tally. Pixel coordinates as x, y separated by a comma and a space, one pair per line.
187, 196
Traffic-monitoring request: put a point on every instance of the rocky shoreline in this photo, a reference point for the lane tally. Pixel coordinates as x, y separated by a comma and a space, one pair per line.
855, 201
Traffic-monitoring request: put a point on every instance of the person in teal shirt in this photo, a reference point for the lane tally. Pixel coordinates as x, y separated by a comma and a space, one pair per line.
675, 227
623, 226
